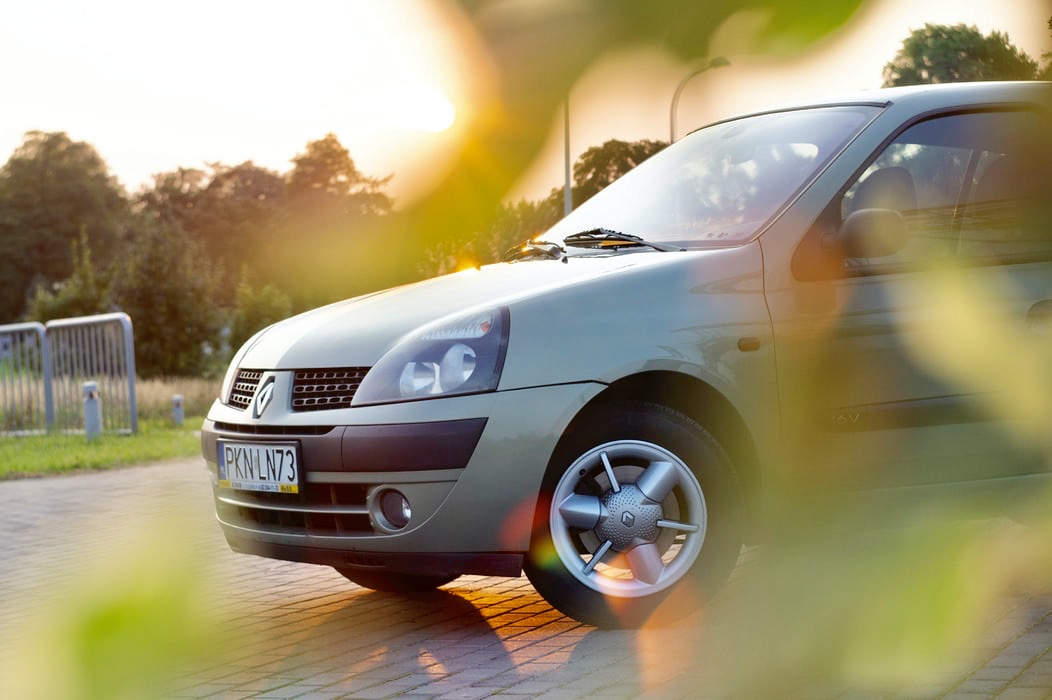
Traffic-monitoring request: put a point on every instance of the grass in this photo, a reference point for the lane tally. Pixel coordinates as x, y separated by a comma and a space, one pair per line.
154, 396
158, 437
38, 455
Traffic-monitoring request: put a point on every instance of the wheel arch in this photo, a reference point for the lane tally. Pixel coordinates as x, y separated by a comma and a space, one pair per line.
702, 403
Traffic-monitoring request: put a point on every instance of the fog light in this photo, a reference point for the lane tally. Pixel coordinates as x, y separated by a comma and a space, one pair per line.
395, 508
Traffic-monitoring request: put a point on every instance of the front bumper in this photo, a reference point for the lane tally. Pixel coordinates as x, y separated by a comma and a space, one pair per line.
470, 466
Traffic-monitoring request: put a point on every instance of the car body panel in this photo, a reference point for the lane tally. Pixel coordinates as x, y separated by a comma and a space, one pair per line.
498, 486
854, 353
315, 338
824, 375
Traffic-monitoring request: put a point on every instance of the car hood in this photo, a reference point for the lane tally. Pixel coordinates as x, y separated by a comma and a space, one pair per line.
358, 331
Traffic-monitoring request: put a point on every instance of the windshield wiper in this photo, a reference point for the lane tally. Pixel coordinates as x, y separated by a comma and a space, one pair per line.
530, 249
605, 238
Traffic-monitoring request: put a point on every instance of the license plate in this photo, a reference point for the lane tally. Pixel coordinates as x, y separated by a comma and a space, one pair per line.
255, 466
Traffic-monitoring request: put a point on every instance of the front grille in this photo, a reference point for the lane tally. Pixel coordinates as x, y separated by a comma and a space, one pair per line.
244, 388
325, 389
322, 509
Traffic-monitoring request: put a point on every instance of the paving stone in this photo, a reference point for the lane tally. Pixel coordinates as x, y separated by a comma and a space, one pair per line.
304, 631
1025, 694
987, 687
996, 673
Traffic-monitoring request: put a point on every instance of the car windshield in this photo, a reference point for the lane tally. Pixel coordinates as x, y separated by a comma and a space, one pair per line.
720, 185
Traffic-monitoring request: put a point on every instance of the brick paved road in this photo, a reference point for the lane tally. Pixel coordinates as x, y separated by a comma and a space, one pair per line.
147, 534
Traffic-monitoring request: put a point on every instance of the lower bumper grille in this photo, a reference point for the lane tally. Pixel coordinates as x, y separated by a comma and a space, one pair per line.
323, 509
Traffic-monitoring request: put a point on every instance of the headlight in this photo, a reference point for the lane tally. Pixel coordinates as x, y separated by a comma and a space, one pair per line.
463, 355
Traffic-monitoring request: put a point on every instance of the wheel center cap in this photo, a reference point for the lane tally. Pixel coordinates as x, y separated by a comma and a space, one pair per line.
630, 517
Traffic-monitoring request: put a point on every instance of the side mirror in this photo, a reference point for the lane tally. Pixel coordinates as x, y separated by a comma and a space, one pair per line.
872, 233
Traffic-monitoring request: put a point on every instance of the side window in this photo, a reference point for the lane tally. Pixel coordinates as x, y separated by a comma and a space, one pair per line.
1006, 216
921, 176
973, 187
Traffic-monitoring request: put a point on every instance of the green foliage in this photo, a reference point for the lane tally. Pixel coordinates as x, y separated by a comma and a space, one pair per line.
601, 165
326, 181
53, 189
130, 618
167, 290
256, 308
225, 214
512, 225
336, 240
1046, 72
85, 292
940, 53
296, 231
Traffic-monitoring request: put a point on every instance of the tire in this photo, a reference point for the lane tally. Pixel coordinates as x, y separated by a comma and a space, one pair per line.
393, 581
606, 553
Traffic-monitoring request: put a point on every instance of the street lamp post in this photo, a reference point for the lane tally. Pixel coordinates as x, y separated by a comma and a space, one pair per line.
717, 62
567, 192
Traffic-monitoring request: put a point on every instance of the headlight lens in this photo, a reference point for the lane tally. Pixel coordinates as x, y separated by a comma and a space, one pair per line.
463, 355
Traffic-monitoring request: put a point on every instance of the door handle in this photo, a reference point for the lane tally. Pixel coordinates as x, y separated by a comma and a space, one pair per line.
1039, 317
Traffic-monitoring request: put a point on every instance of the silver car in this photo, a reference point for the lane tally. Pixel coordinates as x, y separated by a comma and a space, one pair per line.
608, 410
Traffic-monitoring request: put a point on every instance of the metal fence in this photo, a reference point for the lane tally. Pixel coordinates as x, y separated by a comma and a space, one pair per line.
25, 402
44, 367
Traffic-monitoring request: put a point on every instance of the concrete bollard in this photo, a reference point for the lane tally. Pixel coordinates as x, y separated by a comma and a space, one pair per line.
177, 409
92, 410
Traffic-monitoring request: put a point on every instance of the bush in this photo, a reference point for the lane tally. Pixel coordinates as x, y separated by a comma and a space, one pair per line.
168, 292
256, 309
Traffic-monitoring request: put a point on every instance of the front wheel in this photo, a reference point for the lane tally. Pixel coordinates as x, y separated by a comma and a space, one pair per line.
638, 502
393, 582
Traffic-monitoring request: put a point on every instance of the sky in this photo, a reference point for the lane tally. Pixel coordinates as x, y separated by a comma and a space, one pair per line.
157, 86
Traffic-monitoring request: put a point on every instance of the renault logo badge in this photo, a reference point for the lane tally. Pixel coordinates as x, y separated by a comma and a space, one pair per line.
262, 399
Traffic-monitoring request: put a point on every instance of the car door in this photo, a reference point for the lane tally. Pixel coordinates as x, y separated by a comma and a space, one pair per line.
919, 359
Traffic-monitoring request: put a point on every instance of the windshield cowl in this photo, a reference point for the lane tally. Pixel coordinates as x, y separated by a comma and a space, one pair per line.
535, 250
606, 238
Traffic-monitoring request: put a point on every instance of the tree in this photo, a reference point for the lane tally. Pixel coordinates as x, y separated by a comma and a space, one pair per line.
256, 309
324, 179
174, 196
940, 53
600, 165
171, 301
513, 224
230, 215
51, 190
335, 240
86, 292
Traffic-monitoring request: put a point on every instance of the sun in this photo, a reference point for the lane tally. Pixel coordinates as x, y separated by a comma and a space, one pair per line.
436, 113
419, 107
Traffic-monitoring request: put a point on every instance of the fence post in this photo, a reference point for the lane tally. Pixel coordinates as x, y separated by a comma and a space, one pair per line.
49, 399
129, 355
177, 409
92, 410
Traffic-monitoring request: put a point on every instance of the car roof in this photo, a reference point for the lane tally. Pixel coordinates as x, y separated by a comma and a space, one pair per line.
946, 94
933, 96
